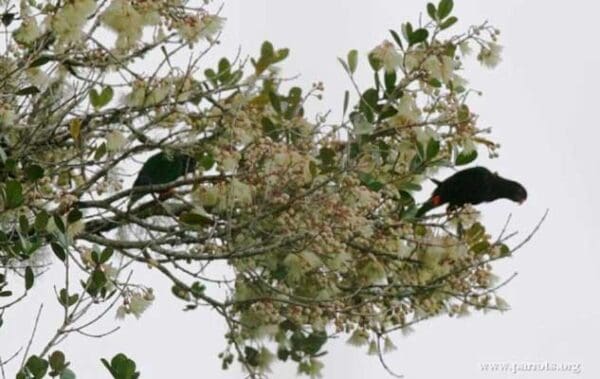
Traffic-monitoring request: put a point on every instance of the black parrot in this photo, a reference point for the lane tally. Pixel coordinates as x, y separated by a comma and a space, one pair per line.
162, 168
472, 186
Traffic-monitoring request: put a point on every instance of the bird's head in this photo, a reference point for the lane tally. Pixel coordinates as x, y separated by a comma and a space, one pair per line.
516, 192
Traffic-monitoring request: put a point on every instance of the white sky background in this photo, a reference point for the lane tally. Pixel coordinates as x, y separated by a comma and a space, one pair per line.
541, 103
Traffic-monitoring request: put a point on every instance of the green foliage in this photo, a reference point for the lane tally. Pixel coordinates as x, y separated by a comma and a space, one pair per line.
121, 367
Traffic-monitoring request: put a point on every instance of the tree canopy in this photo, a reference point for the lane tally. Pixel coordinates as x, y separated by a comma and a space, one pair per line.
314, 220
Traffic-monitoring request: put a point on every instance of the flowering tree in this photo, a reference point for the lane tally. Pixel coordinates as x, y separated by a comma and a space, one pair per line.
314, 220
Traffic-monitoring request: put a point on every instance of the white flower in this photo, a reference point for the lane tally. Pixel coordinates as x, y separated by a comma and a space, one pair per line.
490, 56
387, 54
211, 25
193, 28
358, 338
115, 141
241, 192
501, 304
434, 67
138, 304
388, 345
28, 32
465, 48
408, 111
124, 20
68, 22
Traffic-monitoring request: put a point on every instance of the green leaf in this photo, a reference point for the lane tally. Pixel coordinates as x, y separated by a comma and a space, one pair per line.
433, 148
14, 194
352, 60
121, 367
101, 99
314, 341
275, 101
100, 151
389, 79
59, 223
23, 224
327, 156
465, 157
418, 36
29, 278
40, 61
192, 218
207, 161
5, 293
448, 23
58, 251
67, 374
431, 11
375, 63
346, 101
37, 366
107, 253
74, 216
267, 50
371, 182
41, 221
57, 361
34, 172
369, 100
435, 83
444, 8
31, 90
396, 38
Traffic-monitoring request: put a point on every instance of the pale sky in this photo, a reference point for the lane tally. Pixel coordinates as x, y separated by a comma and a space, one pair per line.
541, 103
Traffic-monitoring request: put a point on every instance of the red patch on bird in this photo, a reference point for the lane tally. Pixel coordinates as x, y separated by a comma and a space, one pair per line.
436, 200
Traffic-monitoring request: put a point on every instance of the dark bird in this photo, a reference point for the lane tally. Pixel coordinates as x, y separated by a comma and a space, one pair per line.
162, 168
472, 186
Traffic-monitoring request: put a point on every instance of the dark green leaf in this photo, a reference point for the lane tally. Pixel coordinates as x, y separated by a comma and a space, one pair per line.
40, 61
448, 23
58, 251
59, 223
57, 361
14, 194
327, 156
207, 161
192, 218
465, 157
389, 79
275, 101
31, 90
106, 255
74, 216
37, 366
34, 172
375, 63
418, 36
251, 356
100, 151
433, 148
29, 277
431, 11
444, 8
396, 38
5, 293
371, 182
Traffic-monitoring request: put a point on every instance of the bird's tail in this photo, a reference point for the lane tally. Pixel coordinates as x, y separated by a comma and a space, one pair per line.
426, 207
433, 202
